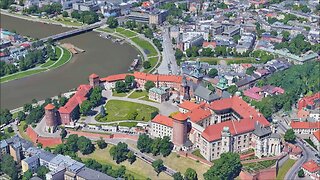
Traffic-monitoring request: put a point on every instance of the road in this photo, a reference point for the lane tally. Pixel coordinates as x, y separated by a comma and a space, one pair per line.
307, 153
169, 63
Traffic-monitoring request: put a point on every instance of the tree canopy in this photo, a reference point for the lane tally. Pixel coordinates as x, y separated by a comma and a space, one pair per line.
148, 85
227, 167
119, 152
155, 146
213, 72
158, 166
8, 166
289, 136
190, 174
112, 22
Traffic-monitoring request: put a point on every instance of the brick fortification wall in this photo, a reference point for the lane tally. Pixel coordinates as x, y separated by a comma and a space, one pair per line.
45, 141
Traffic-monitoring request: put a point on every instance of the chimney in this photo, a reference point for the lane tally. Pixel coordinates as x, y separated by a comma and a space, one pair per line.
251, 117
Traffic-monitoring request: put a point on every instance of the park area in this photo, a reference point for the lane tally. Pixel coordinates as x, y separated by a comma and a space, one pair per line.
285, 168
63, 57
181, 164
146, 46
138, 94
139, 169
125, 32
123, 110
215, 60
256, 166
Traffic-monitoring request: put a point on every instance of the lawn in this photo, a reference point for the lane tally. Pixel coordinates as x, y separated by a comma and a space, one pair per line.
107, 30
285, 168
127, 33
120, 110
50, 62
139, 169
126, 124
22, 132
119, 94
6, 134
69, 22
146, 46
153, 61
20, 75
197, 153
253, 167
182, 163
138, 94
210, 60
66, 56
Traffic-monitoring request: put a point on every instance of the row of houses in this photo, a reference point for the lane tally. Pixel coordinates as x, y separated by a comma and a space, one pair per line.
60, 166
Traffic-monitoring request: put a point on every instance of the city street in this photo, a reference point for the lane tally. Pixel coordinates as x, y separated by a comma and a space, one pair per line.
168, 64
307, 154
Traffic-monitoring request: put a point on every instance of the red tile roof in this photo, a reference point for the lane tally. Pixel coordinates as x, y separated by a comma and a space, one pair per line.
198, 114
49, 107
317, 135
157, 77
311, 166
238, 105
213, 132
209, 44
308, 100
164, 120
76, 99
116, 77
93, 76
188, 105
180, 117
305, 125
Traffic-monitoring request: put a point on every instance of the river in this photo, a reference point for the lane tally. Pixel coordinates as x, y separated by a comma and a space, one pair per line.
101, 56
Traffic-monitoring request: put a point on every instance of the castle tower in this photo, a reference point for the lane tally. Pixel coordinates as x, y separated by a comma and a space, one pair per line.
274, 126
50, 118
226, 140
185, 89
94, 80
179, 131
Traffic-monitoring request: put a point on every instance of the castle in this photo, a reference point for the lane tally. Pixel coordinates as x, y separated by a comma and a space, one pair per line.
225, 125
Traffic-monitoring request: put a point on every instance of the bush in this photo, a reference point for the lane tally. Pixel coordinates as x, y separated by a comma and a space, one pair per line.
146, 65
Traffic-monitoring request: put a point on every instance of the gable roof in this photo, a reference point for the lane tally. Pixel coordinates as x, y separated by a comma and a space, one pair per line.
311, 166
305, 125
116, 77
206, 94
163, 120
317, 135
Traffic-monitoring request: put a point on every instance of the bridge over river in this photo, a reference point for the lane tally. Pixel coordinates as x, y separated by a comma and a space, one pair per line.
76, 31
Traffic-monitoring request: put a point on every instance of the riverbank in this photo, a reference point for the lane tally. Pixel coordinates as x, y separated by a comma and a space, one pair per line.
41, 20
139, 42
64, 57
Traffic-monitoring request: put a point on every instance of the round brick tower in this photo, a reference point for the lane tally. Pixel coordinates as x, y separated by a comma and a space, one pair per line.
179, 130
50, 117
94, 80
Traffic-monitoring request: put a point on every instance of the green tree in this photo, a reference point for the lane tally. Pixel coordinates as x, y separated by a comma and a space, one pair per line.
42, 171
227, 167
27, 175
112, 22
300, 173
119, 152
285, 35
47, 149
120, 87
131, 157
177, 176
85, 145
178, 54
250, 70
148, 85
21, 116
85, 107
96, 96
63, 133
289, 136
27, 107
232, 89
146, 64
129, 80
144, 143
213, 72
158, 166
8, 166
65, 14
155, 146
190, 174
5, 116
102, 143
166, 146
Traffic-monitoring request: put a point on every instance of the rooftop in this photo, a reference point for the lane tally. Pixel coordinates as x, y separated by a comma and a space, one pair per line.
311, 166
163, 120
